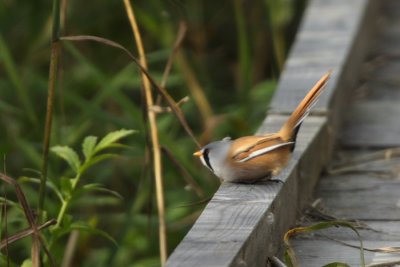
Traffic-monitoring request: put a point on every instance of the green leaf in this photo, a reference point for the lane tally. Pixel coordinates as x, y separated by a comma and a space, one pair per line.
99, 188
88, 146
66, 186
69, 155
83, 226
49, 184
27, 263
111, 138
95, 160
336, 264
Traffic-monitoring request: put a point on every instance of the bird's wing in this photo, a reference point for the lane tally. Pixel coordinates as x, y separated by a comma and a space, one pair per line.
264, 150
248, 147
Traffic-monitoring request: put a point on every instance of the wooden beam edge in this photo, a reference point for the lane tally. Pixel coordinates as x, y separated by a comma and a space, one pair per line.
212, 241
244, 224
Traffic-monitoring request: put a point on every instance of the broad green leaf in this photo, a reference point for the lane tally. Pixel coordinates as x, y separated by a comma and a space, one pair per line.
69, 155
111, 138
88, 146
117, 145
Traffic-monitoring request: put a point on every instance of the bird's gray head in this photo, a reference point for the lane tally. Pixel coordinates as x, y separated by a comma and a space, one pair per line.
214, 155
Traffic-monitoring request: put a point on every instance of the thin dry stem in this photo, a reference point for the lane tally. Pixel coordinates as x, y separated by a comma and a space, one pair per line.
160, 109
4, 219
9, 240
171, 102
70, 250
4, 215
154, 136
49, 117
37, 241
63, 14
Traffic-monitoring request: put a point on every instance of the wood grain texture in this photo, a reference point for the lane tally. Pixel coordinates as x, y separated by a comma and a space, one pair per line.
366, 190
372, 124
376, 231
316, 253
330, 35
388, 41
361, 196
243, 224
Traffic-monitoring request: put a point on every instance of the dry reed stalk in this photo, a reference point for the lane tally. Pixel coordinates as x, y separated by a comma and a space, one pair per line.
154, 136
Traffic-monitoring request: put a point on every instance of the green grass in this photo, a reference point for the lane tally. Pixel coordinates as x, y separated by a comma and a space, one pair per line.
234, 49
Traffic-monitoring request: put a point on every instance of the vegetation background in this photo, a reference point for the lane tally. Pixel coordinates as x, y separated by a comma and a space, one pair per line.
228, 65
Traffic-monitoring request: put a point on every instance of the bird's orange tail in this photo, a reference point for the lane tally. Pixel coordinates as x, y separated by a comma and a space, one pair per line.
290, 128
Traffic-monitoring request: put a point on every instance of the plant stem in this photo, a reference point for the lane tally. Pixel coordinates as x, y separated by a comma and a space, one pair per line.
55, 48
63, 210
66, 202
61, 213
154, 136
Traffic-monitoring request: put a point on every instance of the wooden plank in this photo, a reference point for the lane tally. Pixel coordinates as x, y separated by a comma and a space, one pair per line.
379, 89
329, 36
316, 253
384, 69
360, 196
383, 163
372, 124
225, 225
243, 223
228, 229
380, 231
367, 191
387, 44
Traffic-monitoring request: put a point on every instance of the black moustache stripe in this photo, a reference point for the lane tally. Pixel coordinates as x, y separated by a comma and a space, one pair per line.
207, 159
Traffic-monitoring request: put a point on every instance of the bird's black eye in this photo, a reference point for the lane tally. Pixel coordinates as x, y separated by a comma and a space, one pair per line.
207, 158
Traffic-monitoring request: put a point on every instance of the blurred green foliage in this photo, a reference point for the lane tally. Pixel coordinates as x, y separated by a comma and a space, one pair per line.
233, 51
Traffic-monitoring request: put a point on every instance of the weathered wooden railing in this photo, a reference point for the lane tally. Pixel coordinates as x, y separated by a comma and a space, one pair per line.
243, 224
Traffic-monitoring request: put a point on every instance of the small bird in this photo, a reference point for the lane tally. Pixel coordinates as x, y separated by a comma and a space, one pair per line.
249, 159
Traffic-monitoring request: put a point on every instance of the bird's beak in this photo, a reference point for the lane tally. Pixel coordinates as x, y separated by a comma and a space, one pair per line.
198, 153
